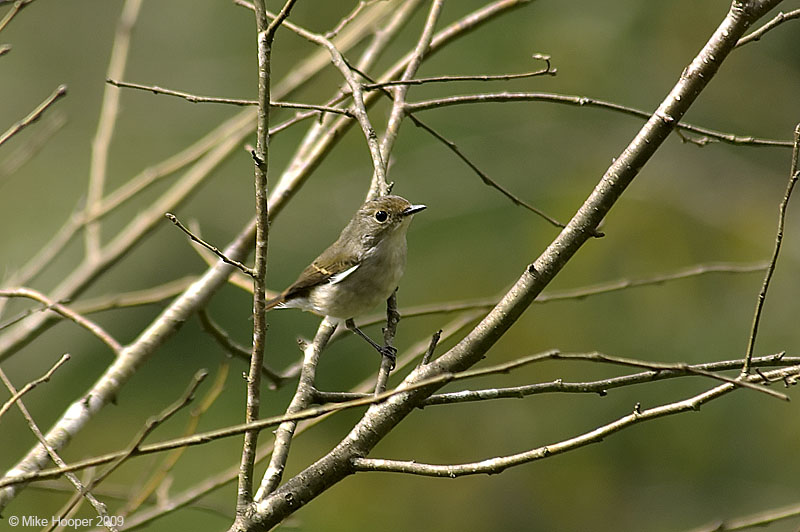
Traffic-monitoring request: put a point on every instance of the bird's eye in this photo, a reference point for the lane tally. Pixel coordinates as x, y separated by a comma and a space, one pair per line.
381, 216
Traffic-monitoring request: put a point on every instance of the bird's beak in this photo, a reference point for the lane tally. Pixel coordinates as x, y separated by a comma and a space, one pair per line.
414, 209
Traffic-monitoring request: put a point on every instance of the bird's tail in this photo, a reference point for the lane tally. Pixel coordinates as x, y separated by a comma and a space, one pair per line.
274, 302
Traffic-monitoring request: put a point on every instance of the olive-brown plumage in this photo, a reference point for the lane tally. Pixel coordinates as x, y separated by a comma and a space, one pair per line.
359, 270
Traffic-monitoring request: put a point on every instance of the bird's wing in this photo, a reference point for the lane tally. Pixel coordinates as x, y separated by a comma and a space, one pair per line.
325, 268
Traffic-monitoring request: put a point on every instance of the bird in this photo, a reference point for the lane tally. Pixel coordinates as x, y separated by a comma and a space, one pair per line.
359, 270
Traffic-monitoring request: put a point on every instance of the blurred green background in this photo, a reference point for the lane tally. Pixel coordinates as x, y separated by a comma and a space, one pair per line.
689, 205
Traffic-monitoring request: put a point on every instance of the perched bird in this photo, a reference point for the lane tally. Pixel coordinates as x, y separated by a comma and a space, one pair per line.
359, 270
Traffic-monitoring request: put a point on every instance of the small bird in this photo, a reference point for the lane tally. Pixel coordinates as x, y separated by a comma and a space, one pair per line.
359, 270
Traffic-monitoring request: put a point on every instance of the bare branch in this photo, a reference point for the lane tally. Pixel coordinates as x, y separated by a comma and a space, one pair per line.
381, 418
359, 106
779, 19
237, 350
389, 332
106, 125
265, 36
303, 398
13, 12
379, 185
174, 219
762, 295
547, 71
189, 97
194, 98
452, 146
759, 519
34, 115
426, 358
147, 296
149, 427
600, 387
582, 101
499, 464
99, 507
198, 294
51, 124
312, 415
577, 293
33, 384
77, 318
160, 473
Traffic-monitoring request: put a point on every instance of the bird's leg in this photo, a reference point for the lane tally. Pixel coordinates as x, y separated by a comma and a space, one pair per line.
384, 350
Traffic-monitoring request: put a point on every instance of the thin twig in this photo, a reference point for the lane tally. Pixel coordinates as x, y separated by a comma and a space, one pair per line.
582, 101
33, 384
452, 146
379, 185
600, 387
759, 519
656, 372
499, 464
426, 358
235, 349
99, 507
147, 177
148, 428
359, 107
303, 397
389, 332
347, 19
13, 12
160, 473
194, 98
779, 19
762, 295
178, 312
174, 219
68, 313
266, 35
312, 417
547, 71
366, 399
189, 97
51, 124
34, 115
109, 111
279, 19
669, 366
135, 298
577, 293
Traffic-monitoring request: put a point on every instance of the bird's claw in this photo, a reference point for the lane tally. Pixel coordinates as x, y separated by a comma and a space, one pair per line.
389, 352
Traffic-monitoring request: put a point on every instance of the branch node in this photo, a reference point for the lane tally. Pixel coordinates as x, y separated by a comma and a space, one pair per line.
258, 160
174, 219
426, 358
764, 379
